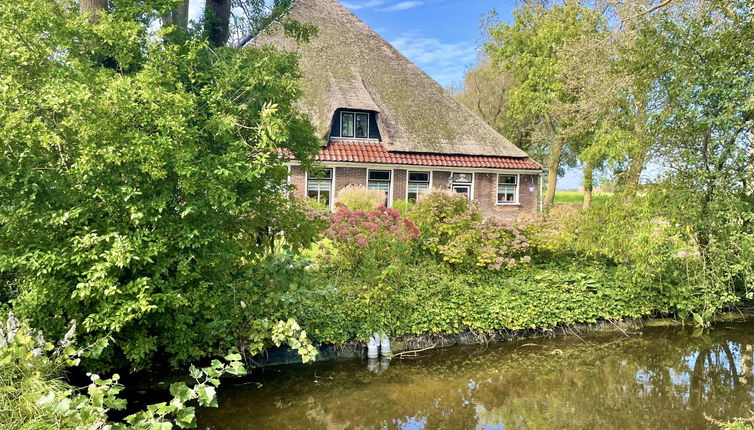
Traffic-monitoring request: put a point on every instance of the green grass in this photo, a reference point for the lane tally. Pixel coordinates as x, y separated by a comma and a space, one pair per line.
577, 197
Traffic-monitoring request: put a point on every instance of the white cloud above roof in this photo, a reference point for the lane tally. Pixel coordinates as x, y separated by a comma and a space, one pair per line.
442, 60
404, 5
382, 5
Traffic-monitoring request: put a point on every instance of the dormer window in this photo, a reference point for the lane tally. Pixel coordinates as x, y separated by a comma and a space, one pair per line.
354, 124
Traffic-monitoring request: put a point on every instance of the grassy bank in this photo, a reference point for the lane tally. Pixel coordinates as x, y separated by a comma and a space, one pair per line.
577, 197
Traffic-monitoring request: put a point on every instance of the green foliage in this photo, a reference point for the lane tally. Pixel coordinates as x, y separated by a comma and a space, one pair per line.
360, 198
139, 176
645, 246
531, 49
577, 198
368, 240
454, 230
737, 424
433, 298
403, 206
32, 395
704, 79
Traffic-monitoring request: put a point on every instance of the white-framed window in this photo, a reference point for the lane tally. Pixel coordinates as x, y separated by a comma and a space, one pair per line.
319, 186
507, 189
418, 182
462, 183
380, 180
354, 124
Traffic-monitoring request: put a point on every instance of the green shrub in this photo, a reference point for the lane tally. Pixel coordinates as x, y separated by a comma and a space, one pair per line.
403, 206
435, 298
454, 230
33, 395
136, 197
360, 198
646, 246
369, 240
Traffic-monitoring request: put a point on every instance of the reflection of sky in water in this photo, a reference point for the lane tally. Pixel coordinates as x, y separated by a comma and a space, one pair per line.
661, 378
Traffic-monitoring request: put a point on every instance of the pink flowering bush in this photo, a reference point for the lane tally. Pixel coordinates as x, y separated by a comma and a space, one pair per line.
369, 238
454, 230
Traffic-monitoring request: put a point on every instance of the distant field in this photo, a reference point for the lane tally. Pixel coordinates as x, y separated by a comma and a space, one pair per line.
577, 197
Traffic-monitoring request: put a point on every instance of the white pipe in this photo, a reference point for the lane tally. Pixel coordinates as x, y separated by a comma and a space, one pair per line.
385, 350
373, 346
373, 365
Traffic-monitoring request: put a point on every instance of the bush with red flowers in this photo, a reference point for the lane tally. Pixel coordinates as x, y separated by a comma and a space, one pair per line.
369, 239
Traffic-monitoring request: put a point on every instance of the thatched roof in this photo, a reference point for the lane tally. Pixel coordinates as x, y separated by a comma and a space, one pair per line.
347, 65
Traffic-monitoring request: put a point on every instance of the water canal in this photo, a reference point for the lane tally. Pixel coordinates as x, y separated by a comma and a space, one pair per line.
653, 378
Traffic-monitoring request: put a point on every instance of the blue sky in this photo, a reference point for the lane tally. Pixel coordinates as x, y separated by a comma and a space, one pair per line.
440, 36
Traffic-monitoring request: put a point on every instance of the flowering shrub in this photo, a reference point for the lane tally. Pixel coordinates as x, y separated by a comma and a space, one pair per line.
371, 238
454, 230
360, 198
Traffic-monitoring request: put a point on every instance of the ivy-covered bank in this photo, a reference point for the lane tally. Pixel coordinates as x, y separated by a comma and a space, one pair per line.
439, 268
433, 299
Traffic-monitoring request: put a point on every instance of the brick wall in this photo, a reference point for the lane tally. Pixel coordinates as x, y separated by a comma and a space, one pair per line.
298, 180
485, 194
345, 176
399, 184
485, 189
440, 179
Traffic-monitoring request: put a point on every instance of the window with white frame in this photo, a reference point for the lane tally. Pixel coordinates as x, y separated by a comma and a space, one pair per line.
319, 186
353, 124
418, 182
380, 180
507, 189
462, 183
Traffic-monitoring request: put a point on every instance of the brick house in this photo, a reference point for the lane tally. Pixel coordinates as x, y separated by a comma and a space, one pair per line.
385, 124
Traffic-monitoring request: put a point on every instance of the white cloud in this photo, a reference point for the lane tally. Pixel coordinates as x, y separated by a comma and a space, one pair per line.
445, 62
402, 6
364, 4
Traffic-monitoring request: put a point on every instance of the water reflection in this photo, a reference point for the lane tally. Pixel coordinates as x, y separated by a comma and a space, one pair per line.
661, 378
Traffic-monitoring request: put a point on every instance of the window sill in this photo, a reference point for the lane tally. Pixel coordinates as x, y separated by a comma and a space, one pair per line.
507, 204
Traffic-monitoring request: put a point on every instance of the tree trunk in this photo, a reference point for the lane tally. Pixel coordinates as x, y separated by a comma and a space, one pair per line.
178, 16
638, 155
588, 184
633, 175
552, 175
217, 21
556, 154
93, 8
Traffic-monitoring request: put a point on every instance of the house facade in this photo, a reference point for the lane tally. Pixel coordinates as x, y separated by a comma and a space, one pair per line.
387, 125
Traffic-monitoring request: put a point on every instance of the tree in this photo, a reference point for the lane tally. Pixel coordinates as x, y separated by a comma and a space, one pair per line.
178, 16
134, 194
532, 49
485, 92
217, 21
92, 8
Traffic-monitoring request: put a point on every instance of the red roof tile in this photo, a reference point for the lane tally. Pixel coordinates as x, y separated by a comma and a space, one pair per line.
375, 152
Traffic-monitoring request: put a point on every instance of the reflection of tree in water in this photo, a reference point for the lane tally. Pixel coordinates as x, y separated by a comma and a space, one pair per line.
662, 379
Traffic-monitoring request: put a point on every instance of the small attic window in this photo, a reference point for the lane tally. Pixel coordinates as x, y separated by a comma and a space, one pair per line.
353, 124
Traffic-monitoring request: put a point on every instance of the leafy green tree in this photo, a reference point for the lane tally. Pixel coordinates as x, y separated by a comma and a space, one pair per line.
704, 79
533, 50
137, 192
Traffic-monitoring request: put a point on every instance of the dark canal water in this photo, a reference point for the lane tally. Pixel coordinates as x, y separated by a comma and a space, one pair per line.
657, 378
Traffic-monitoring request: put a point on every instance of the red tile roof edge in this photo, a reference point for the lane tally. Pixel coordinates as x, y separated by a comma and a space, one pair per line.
373, 152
